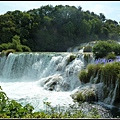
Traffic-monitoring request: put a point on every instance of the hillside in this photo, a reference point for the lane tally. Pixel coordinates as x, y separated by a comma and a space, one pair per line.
56, 28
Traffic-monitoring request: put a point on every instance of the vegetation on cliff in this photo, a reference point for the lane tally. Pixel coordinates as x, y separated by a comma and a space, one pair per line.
108, 74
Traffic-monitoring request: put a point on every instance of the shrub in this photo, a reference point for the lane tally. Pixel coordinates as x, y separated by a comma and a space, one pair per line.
19, 48
26, 48
116, 49
7, 52
111, 56
71, 58
16, 45
80, 97
85, 95
101, 49
86, 57
90, 71
12, 109
110, 73
112, 41
93, 69
83, 76
87, 48
3, 46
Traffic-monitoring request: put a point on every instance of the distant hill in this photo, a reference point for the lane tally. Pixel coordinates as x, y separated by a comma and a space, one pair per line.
55, 29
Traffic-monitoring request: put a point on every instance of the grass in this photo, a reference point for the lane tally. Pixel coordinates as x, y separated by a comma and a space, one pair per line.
71, 58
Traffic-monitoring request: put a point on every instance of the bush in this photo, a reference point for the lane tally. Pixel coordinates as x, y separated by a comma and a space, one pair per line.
12, 109
19, 48
111, 56
80, 97
116, 49
87, 57
87, 48
4, 46
16, 45
26, 48
83, 76
71, 58
7, 52
85, 95
92, 70
110, 73
101, 49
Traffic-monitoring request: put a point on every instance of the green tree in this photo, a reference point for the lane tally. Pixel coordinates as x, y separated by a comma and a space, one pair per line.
60, 27
102, 17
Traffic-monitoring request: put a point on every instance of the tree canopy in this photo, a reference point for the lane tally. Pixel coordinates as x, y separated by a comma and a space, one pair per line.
56, 28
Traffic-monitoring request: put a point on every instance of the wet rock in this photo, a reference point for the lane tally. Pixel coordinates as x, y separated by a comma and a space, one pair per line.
65, 86
86, 93
53, 83
88, 108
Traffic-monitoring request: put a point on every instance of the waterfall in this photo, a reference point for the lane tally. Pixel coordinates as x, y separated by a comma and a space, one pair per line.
37, 77
114, 93
36, 66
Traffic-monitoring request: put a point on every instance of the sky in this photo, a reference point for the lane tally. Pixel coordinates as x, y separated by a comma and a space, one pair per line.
111, 9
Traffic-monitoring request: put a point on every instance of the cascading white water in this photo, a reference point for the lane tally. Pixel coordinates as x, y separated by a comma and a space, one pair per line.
38, 77
43, 77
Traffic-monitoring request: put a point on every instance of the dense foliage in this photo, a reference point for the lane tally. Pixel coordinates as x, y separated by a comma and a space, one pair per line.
15, 45
56, 28
87, 48
108, 49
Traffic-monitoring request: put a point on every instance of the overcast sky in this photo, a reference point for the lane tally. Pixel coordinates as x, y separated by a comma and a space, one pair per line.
111, 9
